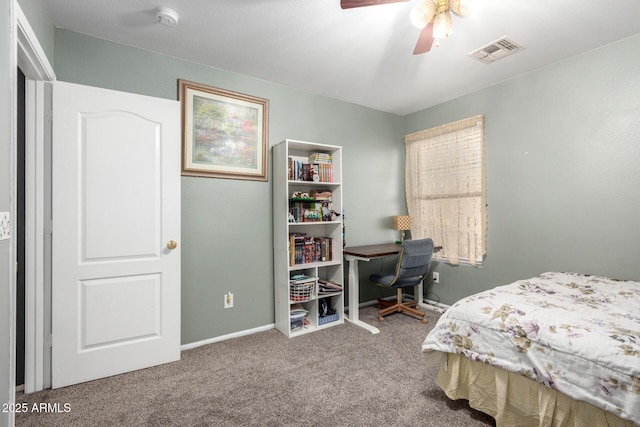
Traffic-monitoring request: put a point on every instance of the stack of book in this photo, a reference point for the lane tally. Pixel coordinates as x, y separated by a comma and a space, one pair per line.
324, 195
325, 172
301, 171
322, 164
298, 171
305, 249
320, 158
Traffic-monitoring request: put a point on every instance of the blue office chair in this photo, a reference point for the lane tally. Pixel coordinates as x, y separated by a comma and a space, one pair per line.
412, 266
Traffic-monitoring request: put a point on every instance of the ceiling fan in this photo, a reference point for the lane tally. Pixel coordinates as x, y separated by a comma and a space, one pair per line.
432, 16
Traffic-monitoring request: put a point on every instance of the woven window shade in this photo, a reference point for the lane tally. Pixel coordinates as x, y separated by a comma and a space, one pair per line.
446, 188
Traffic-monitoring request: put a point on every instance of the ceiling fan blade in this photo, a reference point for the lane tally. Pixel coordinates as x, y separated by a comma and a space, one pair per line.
348, 4
425, 40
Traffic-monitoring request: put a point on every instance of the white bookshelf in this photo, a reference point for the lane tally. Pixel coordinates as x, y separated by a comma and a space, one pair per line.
330, 228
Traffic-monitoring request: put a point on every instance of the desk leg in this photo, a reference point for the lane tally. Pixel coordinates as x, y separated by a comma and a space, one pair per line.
418, 296
354, 295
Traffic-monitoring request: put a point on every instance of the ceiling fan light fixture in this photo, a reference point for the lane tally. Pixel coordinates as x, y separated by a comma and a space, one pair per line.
462, 8
442, 25
422, 13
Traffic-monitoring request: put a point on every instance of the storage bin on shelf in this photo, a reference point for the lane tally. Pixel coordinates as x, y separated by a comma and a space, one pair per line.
328, 318
301, 292
297, 321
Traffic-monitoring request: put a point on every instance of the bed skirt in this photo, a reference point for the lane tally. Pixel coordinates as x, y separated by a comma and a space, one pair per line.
514, 400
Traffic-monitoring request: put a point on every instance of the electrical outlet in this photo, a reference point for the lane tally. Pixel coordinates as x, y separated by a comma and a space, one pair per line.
228, 300
436, 277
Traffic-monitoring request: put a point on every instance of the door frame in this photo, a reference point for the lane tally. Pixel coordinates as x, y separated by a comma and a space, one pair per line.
33, 62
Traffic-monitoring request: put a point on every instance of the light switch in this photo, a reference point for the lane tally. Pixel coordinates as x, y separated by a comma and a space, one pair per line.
5, 225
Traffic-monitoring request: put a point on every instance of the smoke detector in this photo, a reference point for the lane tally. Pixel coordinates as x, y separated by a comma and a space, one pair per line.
167, 16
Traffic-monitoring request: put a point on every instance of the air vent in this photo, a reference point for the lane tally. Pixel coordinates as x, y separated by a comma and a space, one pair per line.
496, 50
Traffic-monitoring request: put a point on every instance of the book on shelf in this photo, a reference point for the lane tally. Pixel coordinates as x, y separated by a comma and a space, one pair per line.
299, 213
325, 172
305, 249
296, 172
316, 171
324, 195
311, 210
306, 172
320, 158
295, 169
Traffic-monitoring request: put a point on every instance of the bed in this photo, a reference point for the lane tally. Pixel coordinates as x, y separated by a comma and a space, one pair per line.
558, 349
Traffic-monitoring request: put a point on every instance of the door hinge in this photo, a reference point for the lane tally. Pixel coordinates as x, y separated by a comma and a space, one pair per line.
48, 229
48, 341
49, 117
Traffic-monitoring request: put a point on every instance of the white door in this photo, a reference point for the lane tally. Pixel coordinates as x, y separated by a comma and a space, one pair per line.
115, 207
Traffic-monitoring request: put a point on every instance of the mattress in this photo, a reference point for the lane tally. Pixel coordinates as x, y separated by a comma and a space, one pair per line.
574, 333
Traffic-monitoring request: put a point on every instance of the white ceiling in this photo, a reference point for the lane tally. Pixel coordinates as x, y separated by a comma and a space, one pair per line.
362, 55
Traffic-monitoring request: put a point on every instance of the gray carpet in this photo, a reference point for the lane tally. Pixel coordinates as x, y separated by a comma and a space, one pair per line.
341, 376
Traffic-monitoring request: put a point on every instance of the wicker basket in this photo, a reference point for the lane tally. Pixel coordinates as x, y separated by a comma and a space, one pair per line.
301, 292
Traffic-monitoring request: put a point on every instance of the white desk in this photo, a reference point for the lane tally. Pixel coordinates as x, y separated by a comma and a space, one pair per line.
353, 255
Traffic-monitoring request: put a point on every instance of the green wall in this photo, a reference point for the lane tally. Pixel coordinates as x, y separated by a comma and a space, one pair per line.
5, 202
39, 19
227, 237
563, 145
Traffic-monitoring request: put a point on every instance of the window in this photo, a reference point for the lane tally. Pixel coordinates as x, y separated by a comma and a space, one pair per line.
446, 188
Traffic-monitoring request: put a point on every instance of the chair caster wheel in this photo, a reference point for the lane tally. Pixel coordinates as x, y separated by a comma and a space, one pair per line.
381, 319
425, 321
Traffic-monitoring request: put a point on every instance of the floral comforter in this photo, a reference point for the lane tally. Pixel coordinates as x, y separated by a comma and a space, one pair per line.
575, 333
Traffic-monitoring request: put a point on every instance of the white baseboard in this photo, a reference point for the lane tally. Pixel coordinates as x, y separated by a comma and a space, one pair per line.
430, 304
252, 331
227, 337
372, 302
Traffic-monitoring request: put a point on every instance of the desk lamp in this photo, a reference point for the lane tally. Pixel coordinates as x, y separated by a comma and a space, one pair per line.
402, 223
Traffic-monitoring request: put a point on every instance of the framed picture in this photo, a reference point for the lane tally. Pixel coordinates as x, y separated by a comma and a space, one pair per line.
224, 133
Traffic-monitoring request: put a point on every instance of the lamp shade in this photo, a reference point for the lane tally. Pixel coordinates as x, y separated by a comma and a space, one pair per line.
442, 25
402, 222
423, 13
462, 7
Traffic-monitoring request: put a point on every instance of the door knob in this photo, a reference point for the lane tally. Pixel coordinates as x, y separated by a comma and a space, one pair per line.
172, 244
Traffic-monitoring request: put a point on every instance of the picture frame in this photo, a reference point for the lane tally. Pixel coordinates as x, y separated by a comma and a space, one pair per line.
224, 133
